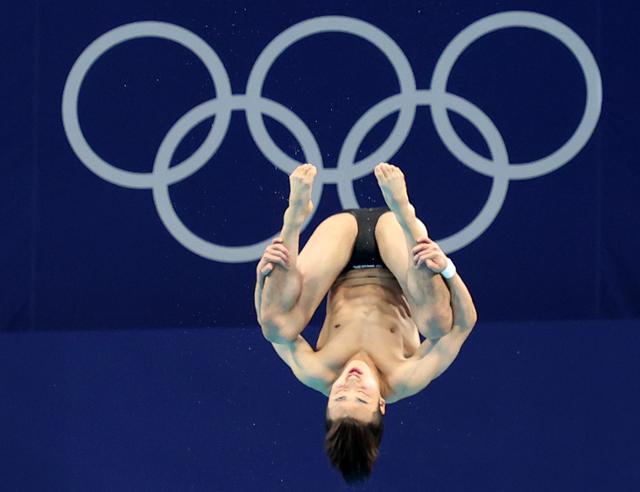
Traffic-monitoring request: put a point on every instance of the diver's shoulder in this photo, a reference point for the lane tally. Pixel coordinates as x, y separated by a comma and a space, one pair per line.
320, 384
401, 381
307, 365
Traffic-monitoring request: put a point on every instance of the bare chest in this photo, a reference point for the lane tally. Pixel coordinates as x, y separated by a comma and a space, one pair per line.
371, 319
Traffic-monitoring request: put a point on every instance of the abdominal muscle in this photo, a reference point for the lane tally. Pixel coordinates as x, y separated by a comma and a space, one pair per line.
367, 312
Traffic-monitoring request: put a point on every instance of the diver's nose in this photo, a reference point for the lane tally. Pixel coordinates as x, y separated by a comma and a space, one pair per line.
353, 379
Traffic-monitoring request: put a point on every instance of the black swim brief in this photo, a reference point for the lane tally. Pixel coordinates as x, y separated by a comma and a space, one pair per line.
365, 252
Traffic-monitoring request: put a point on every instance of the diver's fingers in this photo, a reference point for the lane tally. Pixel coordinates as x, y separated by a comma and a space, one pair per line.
276, 259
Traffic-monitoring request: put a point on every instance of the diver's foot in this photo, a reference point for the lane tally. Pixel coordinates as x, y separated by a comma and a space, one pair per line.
394, 190
301, 183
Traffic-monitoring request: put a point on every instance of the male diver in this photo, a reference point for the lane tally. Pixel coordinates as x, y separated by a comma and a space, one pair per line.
387, 282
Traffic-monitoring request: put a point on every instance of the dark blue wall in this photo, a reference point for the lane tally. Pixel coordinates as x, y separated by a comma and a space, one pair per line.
83, 251
146, 369
529, 407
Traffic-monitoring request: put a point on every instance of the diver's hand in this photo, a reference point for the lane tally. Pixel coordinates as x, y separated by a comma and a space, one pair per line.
276, 253
428, 252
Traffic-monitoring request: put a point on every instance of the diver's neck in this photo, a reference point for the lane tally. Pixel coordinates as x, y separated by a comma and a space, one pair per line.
363, 356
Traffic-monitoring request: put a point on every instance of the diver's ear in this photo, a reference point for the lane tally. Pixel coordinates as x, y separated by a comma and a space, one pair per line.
383, 405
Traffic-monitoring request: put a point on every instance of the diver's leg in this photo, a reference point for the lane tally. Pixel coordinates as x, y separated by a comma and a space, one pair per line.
311, 272
323, 257
396, 234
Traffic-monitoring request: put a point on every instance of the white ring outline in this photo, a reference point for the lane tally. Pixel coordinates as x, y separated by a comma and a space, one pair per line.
128, 32
320, 25
488, 131
255, 105
539, 22
164, 206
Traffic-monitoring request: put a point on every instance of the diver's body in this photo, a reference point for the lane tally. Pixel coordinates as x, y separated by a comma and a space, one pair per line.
367, 313
369, 350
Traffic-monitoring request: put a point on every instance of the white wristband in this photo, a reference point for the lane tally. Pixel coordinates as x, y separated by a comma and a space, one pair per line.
450, 270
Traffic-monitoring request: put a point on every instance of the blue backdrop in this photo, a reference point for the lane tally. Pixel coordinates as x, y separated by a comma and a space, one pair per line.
542, 227
146, 147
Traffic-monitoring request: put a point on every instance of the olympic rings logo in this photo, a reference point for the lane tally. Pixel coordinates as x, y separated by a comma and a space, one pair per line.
255, 106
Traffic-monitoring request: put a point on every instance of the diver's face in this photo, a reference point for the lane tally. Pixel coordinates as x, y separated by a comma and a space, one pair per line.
355, 393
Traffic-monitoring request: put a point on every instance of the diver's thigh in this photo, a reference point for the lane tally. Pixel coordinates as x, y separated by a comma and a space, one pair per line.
324, 256
393, 246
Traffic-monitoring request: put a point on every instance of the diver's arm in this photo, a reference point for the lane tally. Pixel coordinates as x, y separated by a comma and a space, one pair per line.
257, 297
278, 291
306, 364
446, 349
464, 311
427, 254
283, 284
293, 349
432, 359
441, 354
274, 254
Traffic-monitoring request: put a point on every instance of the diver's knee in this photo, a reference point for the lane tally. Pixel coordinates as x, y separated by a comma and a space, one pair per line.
439, 323
275, 332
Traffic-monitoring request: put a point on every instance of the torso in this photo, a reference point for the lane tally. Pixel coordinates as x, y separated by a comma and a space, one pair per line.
368, 312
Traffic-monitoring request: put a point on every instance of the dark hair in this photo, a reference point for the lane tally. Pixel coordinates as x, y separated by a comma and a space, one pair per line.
353, 446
